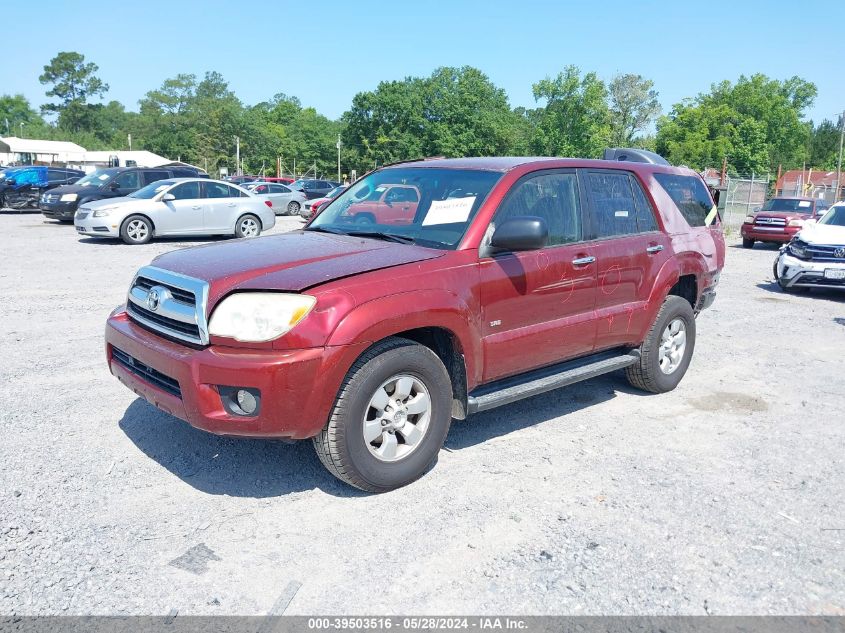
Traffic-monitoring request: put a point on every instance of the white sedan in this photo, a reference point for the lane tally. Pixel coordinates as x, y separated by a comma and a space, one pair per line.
177, 207
285, 201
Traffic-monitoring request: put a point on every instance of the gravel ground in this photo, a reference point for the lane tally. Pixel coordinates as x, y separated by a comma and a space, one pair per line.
722, 497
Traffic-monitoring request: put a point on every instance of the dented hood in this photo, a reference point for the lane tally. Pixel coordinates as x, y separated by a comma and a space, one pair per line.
291, 261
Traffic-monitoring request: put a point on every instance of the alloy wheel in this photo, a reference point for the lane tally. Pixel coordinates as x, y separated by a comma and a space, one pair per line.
673, 344
397, 418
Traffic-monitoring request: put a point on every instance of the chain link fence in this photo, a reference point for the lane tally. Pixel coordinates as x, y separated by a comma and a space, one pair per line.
742, 195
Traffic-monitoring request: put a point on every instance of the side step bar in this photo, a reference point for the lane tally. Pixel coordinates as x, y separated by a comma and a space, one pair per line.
508, 390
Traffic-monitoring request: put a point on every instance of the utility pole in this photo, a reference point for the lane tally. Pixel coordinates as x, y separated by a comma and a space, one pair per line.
338, 157
21, 136
839, 161
129, 136
237, 155
7, 127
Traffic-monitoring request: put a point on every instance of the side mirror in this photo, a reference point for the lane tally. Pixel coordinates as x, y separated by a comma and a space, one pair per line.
757, 209
523, 233
114, 186
168, 197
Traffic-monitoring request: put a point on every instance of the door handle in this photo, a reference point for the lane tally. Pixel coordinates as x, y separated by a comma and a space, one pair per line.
196, 207
583, 261
654, 249
231, 204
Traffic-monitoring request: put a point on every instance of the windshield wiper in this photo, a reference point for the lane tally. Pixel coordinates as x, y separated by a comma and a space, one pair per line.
324, 229
380, 235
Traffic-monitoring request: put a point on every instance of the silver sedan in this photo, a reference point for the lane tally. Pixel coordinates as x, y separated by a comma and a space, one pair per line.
177, 207
285, 201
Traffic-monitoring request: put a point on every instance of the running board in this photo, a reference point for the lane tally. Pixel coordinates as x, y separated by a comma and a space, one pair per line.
546, 379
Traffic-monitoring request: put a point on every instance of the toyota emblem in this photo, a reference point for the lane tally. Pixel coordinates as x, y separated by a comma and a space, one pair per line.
153, 300
839, 252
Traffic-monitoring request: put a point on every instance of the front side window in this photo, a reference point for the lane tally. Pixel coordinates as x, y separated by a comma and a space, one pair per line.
128, 180
691, 197
186, 191
552, 196
448, 202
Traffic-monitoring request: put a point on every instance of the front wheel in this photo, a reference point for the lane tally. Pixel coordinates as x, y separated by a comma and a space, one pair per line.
747, 243
293, 207
248, 226
136, 229
390, 418
667, 350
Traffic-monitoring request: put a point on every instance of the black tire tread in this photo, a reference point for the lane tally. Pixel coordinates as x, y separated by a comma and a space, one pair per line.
642, 374
328, 441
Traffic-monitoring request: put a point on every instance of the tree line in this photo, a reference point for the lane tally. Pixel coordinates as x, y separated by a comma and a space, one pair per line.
756, 123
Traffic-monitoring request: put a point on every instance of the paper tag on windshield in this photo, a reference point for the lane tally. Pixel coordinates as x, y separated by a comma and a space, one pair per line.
449, 211
803, 203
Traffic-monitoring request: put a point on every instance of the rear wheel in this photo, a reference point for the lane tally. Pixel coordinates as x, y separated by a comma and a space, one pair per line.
747, 243
136, 229
293, 207
666, 353
248, 226
364, 219
390, 419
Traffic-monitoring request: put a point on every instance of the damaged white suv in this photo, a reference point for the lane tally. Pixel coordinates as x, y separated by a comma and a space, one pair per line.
815, 258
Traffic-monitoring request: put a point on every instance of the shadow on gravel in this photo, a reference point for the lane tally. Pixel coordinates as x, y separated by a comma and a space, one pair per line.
821, 293
481, 427
227, 466
759, 246
199, 239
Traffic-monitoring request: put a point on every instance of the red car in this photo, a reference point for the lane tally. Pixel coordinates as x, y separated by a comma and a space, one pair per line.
386, 204
313, 207
282, 180
779, 220
512, 277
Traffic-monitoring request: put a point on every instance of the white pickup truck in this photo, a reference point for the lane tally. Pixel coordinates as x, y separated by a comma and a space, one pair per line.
815, 258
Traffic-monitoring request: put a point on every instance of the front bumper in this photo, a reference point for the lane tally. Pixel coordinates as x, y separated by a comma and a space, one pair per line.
798, 273
781, 234
96, 227
297, 387
58, 210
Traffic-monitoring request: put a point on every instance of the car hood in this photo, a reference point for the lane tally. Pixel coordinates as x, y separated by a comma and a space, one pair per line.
823, 234
75, 189
111, 202
291, 261
786, 215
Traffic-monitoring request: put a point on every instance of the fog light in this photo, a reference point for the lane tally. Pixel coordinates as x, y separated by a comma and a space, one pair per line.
247, 401
241, 401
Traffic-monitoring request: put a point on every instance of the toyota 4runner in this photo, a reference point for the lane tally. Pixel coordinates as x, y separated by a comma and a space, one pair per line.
515, 276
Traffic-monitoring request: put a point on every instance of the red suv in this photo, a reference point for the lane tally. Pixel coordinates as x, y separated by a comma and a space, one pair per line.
515, 276
779, 220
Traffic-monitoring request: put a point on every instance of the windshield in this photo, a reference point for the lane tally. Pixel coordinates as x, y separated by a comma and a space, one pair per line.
789, 204
151, 190
429, 206
834, 217
97, 178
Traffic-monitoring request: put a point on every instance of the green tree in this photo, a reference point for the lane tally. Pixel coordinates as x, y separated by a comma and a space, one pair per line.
575, 120
14, 110
633, 106
755, 123
824, 145
73, 83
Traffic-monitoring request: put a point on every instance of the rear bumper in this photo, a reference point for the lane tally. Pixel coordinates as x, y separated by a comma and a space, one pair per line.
770, 233
297, 387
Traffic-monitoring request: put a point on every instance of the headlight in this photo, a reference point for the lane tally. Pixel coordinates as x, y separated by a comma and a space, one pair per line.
797, 249
749, 219
796, 223
69, 197
102, 213
259, 316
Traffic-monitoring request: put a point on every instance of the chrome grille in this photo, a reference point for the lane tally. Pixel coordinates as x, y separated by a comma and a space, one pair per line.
169, 304
770, 221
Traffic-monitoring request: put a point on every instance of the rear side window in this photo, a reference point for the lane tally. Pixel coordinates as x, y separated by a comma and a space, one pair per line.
552, 196
613, 211
690, 196
155, 175
187, 191
645, 214
219, 190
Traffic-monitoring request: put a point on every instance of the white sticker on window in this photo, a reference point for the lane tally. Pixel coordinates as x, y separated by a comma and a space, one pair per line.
449, 211
804, 203
621, 214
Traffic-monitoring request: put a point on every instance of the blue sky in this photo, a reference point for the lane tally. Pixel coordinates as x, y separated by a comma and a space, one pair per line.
325, 52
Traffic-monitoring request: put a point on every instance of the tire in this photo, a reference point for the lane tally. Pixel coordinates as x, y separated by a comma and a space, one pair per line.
293, 208
248, 225
647, 374
136, 229
747, 243
342, 446
364, 219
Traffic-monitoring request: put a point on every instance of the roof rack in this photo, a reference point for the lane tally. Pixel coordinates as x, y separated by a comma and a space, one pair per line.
634, 155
